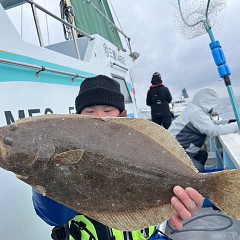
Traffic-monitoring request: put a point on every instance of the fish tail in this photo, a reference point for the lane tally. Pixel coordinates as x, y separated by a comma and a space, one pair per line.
226, 195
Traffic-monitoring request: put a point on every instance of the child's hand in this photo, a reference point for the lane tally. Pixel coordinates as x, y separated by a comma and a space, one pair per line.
186, 203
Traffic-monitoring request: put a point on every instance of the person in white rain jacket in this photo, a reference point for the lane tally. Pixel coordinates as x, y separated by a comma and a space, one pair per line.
194, 125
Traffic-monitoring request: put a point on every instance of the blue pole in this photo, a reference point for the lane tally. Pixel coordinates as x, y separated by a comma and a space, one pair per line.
224, 71
210, 33
234, 104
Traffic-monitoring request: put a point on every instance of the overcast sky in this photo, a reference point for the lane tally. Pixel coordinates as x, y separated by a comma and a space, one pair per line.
182, 63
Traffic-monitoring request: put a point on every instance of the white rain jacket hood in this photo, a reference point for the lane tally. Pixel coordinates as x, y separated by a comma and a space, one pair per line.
206, 99
194, 124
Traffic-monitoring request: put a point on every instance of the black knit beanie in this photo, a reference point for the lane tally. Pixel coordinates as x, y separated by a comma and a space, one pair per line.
156, 79
99, 90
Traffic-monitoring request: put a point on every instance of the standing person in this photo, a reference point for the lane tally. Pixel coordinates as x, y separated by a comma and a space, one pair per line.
194, 125
158, 98
100, 96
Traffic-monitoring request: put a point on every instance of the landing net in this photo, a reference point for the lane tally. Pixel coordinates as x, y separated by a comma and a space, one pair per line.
194, 17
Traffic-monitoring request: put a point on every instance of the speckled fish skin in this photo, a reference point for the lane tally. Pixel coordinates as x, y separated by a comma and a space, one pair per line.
118, 171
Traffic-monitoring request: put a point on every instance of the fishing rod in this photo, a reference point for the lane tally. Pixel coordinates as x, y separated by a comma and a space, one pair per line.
196, 16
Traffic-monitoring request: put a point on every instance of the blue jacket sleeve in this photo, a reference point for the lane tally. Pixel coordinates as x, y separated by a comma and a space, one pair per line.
52, 212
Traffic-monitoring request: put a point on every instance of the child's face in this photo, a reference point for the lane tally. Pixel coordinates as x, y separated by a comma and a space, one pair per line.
101, 111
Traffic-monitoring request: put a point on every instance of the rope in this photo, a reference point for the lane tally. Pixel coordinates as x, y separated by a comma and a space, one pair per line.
203, 229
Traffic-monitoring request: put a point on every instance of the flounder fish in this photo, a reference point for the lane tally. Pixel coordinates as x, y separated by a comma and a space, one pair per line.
118, 171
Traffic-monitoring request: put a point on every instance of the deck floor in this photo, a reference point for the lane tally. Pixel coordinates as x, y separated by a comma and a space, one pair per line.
208, 225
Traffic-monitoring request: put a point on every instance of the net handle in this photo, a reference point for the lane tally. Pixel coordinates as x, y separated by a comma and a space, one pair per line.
206, 23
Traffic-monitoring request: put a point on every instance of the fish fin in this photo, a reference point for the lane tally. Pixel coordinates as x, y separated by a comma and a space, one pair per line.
21, 177
41, 190
3, 152
227, 192
68, 157
129, 221
159, 135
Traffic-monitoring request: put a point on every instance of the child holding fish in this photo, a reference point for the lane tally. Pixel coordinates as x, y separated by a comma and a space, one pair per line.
100, 96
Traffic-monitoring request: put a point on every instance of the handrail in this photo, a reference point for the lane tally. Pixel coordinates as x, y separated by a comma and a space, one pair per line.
117, 65
40, 68
106, 18
59, 19
111, 23
35, 5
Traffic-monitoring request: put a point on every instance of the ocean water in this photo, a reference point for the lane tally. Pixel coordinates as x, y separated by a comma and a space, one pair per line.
225, 109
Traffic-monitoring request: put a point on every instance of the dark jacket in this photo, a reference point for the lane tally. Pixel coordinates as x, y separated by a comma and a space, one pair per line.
158, 98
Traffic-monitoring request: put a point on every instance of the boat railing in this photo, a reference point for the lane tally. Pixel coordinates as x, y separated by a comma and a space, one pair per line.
226, 150
40, 69
112, 24
73, 28
34, 5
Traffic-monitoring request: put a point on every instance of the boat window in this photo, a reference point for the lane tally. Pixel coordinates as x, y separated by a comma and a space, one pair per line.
124, 88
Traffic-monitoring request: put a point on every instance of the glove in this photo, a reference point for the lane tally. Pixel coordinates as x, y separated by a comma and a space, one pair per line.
232, 120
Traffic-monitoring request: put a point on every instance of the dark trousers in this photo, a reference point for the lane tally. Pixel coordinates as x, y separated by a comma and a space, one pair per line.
163, 121
199, 159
